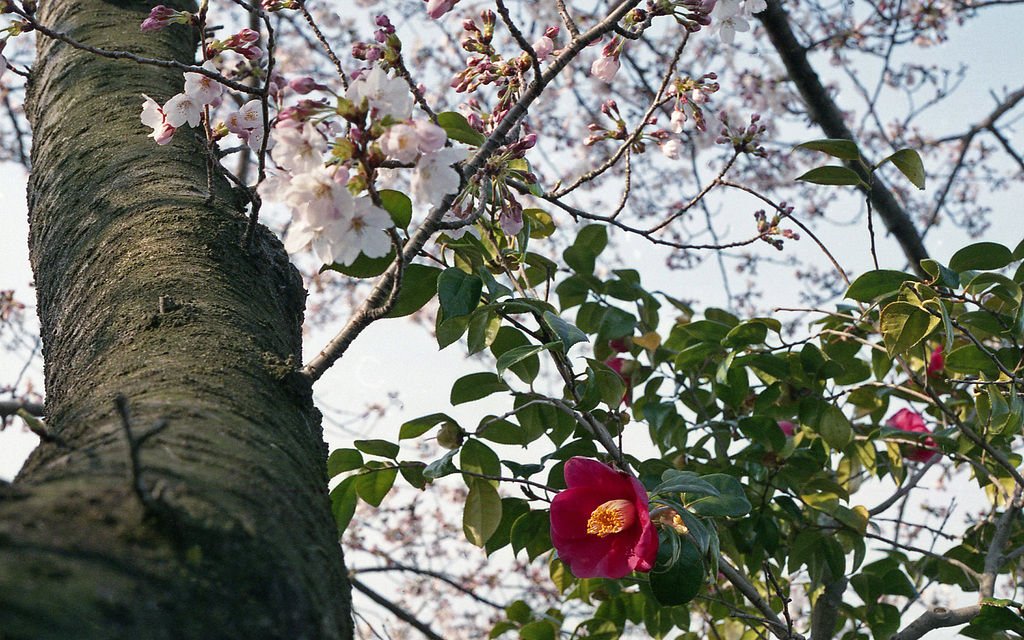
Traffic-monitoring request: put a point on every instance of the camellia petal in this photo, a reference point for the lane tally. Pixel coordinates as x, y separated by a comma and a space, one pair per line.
601, 523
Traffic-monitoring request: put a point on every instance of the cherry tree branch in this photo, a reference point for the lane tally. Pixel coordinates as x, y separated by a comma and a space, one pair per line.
824, 111
399, 612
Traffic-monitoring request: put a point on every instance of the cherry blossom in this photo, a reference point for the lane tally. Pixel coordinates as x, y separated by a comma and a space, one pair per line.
434, 177
401, 142
203, 89
726, 20
605, 68
153, 116
182, 109
319, 196
299, 148
437, 8
389, 96
600, 524
431, 136
362, 232
672, 148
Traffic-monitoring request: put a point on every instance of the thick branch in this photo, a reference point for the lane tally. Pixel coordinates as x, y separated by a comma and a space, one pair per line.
824, 111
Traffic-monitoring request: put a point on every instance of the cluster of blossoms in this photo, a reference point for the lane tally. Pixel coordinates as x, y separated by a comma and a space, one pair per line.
325, 212
742, 139
184, 108
769, 229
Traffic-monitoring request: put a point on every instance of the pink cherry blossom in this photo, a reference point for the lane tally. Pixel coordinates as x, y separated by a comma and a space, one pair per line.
401, 142
672, 148
153, 116
601, 524
437, 8
431, 137
605, 68
434, 177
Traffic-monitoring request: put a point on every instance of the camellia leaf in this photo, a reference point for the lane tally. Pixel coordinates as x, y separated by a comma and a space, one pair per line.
679, 583
568, 333
458, 292
832, 175
880, 283
835, 427
457, 128
342, 460
373, 485
343, 502
475, 386
731, 500
903, 325
516, 355
909, 163
381, 448
398, 205
981, 256
419, 426
419, 285
482, 513
835, 147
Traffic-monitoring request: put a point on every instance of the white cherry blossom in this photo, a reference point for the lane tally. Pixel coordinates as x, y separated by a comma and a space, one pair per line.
389, 96
401, 142
153, 116
434, 176
181, 109
299, 148
203, 89
726, 20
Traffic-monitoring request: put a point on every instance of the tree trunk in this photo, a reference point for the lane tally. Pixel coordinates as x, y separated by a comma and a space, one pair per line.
183, 494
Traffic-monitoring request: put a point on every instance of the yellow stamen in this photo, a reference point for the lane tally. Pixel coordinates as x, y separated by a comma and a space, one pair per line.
611, 517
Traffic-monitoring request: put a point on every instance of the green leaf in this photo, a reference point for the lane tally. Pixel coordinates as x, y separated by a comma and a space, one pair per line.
343, 503
458, 292
903, 325
475, 386
483, 327
449, 331
419, 285
413, 473
835, 427
482, 513
909, 163
516, 355
941, 275
398, 205
342, 460
881, 283
835, 147
477, 457
457, 128
679, 583
500, 431
832, 176
968, 359
419, 426
981, 256
531, 531
509, 338
731, 502
375, 484
542, 226
442, 467
381, 448
566, 332
511, 509
363, 267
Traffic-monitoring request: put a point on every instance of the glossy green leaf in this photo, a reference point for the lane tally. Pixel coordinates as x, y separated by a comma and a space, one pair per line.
373, 485
679, 583
477, 457
381, 448
942, 275
567, 333
458, 292
483, 328
905, 324
458, 128
511, 509
909, 163
343, 503
981, 256
835, 427
516, 355
880, 283
398, 205
482, 512
419, 286
831, 176
449, 331
509, 338
532, 532
342, 460
835, 147
475, 386
542, 226
419, 426
731, 502
442, 467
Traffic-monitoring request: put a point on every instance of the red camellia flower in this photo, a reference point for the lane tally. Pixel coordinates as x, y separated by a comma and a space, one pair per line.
907, 420
600, 524
787, 427
936, 362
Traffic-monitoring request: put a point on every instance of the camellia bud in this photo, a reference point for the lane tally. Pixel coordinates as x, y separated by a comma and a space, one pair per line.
450, 436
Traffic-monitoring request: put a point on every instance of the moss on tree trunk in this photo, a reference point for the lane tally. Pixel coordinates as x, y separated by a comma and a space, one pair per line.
221, 526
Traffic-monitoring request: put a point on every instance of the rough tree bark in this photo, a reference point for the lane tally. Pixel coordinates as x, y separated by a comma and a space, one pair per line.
199, 510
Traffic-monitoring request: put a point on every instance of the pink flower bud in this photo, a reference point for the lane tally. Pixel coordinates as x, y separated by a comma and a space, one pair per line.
302, 86
543, 47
